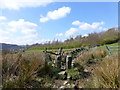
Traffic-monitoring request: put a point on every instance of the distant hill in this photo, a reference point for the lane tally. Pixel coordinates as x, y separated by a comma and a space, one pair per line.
10, 47
109, 36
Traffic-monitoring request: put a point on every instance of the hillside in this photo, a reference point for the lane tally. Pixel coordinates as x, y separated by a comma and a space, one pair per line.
10, 47
94, 39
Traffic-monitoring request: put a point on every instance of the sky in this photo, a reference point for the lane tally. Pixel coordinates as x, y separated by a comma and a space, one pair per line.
39, 22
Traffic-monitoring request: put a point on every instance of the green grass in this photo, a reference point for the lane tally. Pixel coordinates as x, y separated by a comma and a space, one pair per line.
74, 73
114, 44
41, 50
113, 51
34, 50
38, 49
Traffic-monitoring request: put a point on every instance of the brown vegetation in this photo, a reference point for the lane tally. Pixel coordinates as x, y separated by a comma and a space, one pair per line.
19, 70
104, 74
93, 69
90, 57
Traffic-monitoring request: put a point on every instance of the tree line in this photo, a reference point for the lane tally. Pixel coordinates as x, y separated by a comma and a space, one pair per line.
93, 39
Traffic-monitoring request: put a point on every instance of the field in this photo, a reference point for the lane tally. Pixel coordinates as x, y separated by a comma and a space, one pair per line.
39, 50
60, 45
114, 48
35, 69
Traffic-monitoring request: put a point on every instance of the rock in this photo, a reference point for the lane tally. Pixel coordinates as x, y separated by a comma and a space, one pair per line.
61, 88
85, 70
62, 73
47, 85
68, 62
65, 82
76, 87
53, 65
69, 76
63, 68
75, 69
39, 79
68, 84
72, 85
58, 61
76, 65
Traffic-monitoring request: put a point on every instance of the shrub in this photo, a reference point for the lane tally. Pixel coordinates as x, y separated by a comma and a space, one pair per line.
106, 74
19, 70
91, 57
75, 74
109, 40
86, 45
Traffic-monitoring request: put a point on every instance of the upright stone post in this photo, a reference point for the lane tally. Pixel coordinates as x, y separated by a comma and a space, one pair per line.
68, 62
58, 61
60, 51
59, 58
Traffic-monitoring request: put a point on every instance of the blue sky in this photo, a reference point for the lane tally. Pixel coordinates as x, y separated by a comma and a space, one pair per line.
28, 24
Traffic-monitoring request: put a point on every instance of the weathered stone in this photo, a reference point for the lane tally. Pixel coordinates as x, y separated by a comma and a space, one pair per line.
85, 70
76, 87
62, 73
69, 76
60, 51
77, 50
75, 68
68, 62
68, 84
58, 61
65, 82
61, 88
75, 65
63, 68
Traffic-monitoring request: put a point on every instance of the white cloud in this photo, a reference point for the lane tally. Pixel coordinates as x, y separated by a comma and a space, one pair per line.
16, 40
44, 41
2, 32
2, 18
59, 34
94, 26
76, 23
18, 32
24, 26
21, 22
43, 19
56, 14
86, 26
17, 4
71, 32
85, 35
83, 27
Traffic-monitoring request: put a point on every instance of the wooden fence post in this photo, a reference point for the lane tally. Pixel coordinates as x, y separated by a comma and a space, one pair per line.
109, 50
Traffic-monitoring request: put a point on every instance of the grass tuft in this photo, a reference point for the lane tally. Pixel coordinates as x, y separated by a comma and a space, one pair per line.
107, 73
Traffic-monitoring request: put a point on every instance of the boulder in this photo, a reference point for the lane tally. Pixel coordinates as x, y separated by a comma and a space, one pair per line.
62, 73
65, 82
61, 88
69, 76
